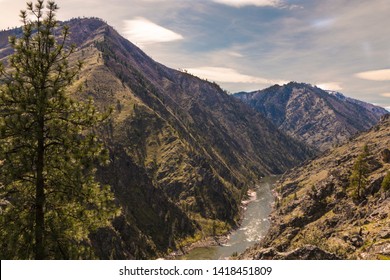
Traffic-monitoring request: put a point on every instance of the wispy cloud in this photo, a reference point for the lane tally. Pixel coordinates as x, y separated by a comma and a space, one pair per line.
376, 75
235, 54
142, 31
229, 75
387, 94
258, 3
323, 23
330, 86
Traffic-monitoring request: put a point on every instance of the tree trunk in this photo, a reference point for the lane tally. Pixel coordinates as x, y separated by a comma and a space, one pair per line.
40, 197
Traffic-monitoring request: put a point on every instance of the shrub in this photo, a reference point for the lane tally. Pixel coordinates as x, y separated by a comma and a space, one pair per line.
386, 182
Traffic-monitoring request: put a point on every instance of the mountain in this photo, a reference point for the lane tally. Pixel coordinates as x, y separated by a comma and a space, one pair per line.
368, 106
312, 115
317, 213
182, 152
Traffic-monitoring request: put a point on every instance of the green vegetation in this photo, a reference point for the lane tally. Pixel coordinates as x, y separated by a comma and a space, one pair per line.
383, 257
386, 182
313, 236
50, 201
358, 178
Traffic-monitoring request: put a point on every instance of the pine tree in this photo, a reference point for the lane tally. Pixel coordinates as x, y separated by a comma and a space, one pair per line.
358, 178
386, 182
49, 199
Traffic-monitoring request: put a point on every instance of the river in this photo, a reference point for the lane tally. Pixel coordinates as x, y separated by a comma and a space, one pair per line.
254, 226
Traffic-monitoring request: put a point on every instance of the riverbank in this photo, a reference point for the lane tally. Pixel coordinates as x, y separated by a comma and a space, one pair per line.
214, 241
253, 224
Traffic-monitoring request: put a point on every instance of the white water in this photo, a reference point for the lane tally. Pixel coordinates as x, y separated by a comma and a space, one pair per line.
254, 226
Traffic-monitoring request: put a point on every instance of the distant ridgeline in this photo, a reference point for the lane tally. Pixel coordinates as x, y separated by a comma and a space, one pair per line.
321, 119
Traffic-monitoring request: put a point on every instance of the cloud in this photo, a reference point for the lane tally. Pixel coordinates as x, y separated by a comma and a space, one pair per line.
376, 75
323, 23
229, 75
330, 86
142, 31
258, 3
387, 94
235, 54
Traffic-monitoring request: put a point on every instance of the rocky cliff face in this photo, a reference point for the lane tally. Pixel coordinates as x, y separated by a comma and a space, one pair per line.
318, 118
182, 151
317, 214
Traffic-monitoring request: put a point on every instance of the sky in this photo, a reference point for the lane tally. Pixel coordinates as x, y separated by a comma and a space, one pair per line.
247, 45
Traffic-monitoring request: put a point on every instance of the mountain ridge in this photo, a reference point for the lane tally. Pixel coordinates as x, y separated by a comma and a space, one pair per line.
312, 115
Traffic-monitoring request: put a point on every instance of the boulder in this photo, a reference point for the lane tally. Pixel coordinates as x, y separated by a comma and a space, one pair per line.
356, 240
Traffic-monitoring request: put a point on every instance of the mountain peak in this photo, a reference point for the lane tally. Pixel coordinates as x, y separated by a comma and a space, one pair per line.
85, 21
299, 85
317, 117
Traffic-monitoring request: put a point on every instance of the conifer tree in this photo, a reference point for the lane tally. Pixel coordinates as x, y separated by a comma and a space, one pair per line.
358, 178
49, 199
386, 182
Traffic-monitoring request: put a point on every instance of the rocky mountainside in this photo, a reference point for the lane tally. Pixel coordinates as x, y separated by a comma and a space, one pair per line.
318, 212
312, 115
182, 152
368, 106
